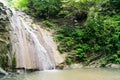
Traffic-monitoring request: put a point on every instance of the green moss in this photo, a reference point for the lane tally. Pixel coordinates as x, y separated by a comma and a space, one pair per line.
13, 62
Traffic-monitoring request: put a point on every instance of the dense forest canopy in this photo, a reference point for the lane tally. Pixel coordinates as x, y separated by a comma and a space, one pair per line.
86, 29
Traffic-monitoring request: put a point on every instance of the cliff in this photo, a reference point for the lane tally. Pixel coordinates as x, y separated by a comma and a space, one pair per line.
4, 37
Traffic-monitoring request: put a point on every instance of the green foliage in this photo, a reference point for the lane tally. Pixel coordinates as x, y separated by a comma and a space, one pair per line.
81, 56
103, 63
19, 4
44, 8
70, 39
75, 11
115, 4
14, 62
110, 7
99, 35
49, 24
115, 58
38, 8
69, 60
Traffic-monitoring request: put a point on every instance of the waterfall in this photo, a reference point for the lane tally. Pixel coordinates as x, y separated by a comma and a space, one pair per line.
32, 48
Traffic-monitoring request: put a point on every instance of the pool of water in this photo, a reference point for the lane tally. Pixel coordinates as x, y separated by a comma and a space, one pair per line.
72, 74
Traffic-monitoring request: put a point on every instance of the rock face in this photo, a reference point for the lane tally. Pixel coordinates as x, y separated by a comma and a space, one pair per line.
4, 37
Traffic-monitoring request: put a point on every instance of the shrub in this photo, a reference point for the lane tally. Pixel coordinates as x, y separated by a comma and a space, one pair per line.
20, 4
41, 8
100, 35
49, 24
115, 4
44, 8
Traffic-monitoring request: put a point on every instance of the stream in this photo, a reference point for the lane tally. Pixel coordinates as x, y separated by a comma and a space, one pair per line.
70, 74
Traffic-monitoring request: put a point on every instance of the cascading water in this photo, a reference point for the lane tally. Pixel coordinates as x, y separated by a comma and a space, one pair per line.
32, 48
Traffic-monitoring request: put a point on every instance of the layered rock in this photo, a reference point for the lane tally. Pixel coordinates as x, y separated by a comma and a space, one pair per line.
4, 36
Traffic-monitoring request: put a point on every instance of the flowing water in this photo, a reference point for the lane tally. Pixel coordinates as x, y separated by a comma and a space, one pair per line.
76, 74
31, 45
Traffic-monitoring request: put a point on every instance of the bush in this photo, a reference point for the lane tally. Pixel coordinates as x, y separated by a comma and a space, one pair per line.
49, 24
115, 4
44, 8
41, 8
100, 35
20, 4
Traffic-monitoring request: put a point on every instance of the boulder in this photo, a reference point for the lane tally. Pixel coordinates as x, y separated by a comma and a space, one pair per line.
115, 65
3, 72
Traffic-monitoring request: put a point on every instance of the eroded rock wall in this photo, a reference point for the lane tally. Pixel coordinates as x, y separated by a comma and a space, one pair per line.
4, 37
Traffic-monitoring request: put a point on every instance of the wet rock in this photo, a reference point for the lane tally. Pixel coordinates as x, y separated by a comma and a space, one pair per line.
108, 65
3, 72
20, 71
115, 66
4, 36
60, 66
3, 14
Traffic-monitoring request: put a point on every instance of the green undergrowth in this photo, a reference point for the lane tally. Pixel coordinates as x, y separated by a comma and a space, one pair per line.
100, 35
